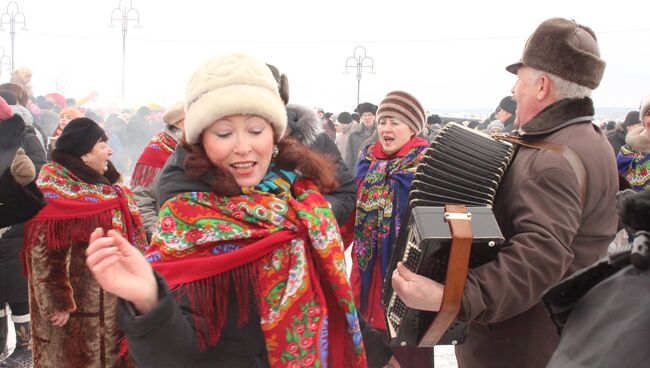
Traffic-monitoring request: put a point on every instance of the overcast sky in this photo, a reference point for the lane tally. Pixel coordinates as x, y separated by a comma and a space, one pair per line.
449, 54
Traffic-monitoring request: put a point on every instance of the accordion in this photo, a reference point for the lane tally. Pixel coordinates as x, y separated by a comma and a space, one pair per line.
461, 167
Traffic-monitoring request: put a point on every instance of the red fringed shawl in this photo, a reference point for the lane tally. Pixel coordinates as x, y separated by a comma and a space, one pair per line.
152, 159
75, 209
286, 247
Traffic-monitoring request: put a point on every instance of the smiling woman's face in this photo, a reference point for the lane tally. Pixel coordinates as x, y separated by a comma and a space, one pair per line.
243, 145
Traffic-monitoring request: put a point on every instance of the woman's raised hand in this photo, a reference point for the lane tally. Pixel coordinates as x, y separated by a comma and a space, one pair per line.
121, 270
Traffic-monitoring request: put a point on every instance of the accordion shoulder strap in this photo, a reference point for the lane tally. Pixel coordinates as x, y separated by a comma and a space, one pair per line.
457, 267
566, 152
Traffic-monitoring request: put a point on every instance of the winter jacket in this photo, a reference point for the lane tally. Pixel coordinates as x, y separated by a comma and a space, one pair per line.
13, 135
608, 327
342, 138
357, 139
165, 336
17, 203
634, 159
616, 138
549, 235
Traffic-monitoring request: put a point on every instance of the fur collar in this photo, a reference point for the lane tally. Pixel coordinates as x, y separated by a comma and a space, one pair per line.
639, 139
558, 115
84, 172
304, 124
12, 130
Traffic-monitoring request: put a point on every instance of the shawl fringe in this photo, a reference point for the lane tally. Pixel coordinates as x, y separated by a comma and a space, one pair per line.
217, 290
144, 175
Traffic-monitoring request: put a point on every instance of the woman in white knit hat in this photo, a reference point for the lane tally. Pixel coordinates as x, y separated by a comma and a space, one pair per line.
245, 241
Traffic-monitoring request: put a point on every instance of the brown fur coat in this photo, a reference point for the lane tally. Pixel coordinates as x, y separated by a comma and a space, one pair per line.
60, 281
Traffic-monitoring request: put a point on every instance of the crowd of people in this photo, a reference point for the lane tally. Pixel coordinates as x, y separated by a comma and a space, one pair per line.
212, 232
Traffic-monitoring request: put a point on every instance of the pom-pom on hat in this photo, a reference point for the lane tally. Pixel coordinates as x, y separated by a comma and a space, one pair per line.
230, 85
79, 137
403, 106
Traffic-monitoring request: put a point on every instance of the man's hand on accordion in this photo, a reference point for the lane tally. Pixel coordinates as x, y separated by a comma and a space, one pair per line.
417, 291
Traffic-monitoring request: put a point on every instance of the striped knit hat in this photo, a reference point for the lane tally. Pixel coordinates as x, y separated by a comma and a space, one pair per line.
403, 106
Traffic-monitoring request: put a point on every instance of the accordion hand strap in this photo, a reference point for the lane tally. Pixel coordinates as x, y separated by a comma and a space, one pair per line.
461, 244
566, 152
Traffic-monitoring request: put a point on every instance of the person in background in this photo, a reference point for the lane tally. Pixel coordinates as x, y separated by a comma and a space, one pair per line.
495, 127
245, 240
305, 127
432, 127
23, 77
552, 225
74, 321
144, 180
383, 176
15, 137
66, 115
360, 133
343, 125
505, 113
617, 136
634, 158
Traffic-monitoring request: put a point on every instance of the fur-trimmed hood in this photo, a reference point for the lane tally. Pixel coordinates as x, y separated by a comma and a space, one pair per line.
83, 171
638, 139
304, 124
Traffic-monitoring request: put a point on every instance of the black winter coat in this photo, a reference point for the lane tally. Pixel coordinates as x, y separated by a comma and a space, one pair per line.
15, 134
608, 327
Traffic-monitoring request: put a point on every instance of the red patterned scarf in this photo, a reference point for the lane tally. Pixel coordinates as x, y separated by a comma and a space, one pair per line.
152, 159
287, 245
75, 208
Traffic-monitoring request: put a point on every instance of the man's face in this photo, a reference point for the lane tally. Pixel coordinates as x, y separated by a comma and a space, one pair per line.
368, 119
502, 115
525, 94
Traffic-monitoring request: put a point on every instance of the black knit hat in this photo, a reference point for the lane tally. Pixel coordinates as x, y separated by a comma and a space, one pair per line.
434, 119
508, 104
632, 117
366, 107
344, 118
79, 137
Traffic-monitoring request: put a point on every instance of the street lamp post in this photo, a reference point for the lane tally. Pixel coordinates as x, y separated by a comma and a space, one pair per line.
5, 60
358, 60
125, 15
12, 17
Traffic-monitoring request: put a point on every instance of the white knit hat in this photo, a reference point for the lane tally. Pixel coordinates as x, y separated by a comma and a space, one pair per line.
230, 85
645, 106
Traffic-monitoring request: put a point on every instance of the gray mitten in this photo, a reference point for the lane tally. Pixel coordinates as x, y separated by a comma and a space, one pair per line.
22, 168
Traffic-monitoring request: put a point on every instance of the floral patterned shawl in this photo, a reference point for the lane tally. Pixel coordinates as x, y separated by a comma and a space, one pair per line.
280, 237
383, 184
